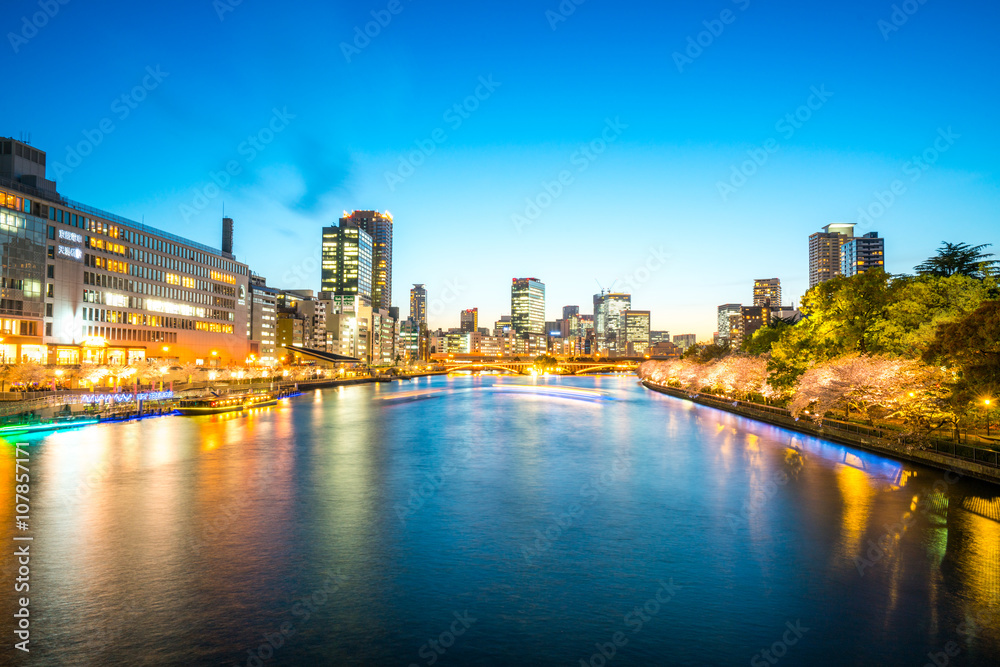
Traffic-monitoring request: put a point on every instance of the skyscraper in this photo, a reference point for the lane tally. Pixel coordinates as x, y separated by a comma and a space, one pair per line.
636, 332
824, 251
379, 227
418, 304
347, 261
609, 324
862, 253
569, 311
767, 292
527, 305
725, 310
469, 319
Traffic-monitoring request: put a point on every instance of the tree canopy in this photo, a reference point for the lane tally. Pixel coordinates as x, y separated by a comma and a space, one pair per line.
959, 259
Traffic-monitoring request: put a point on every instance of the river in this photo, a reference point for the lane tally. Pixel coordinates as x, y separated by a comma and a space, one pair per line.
491, 520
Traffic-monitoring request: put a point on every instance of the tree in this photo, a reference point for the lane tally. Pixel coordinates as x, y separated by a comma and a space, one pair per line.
874, 386
959, 259
765, 337
970, 347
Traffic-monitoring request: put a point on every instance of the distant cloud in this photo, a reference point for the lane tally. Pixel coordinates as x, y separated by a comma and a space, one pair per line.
324, 169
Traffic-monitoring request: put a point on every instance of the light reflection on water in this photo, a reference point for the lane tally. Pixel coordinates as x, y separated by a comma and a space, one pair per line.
186, 540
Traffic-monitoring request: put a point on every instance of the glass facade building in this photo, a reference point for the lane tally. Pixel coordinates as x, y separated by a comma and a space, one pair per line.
347, 261
527, 306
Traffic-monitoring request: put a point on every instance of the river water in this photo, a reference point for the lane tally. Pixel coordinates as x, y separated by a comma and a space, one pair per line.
495, 521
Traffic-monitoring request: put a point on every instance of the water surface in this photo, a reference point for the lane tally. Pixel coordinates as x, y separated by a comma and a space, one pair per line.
505, 520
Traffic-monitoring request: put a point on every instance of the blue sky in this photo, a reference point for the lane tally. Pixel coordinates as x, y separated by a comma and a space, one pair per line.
646, 196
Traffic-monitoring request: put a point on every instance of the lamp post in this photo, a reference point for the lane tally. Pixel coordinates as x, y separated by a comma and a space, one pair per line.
987, 402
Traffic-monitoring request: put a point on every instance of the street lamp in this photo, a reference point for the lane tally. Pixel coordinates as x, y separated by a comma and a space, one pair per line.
987, 402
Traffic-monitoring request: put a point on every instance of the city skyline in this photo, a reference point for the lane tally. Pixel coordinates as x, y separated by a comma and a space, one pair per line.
300, 157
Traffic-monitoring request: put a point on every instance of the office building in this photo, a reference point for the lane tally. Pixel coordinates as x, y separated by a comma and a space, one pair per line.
767, 292
262, 322
609, 308
570, 311
527, 306
862, 253
469, 319
81, 285
659, 337
684, 341
636, 332
418, 304
379, 227
753, 318
824, 251
347, 257
725, 310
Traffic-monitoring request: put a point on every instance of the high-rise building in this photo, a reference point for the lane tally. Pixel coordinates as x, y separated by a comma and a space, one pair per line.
418, 304
725, 310
347, 261
861, 254
767, 292
684, 341
659, 337
502, 327
636, 332
82, 286
527, 306
609, 309
753, 318
379, 227
824, 251
570, 311
262, 302
469, 319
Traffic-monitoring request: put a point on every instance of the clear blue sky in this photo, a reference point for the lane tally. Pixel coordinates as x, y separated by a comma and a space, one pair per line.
656, 186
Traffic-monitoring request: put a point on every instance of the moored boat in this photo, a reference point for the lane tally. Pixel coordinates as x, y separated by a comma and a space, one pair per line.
218, 404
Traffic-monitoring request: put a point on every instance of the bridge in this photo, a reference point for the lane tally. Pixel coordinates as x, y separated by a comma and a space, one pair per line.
515, 366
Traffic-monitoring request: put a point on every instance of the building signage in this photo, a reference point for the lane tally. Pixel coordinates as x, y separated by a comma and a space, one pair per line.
128, 397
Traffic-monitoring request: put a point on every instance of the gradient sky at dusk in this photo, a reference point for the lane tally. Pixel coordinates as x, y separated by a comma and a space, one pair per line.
653, 191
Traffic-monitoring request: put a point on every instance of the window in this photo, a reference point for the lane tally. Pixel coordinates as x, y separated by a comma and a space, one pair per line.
48, 328
50, 291
48, 310
52, 232
52, 252
50, 271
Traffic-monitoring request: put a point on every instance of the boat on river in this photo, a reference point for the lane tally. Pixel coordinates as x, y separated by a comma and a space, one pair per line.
212, 405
